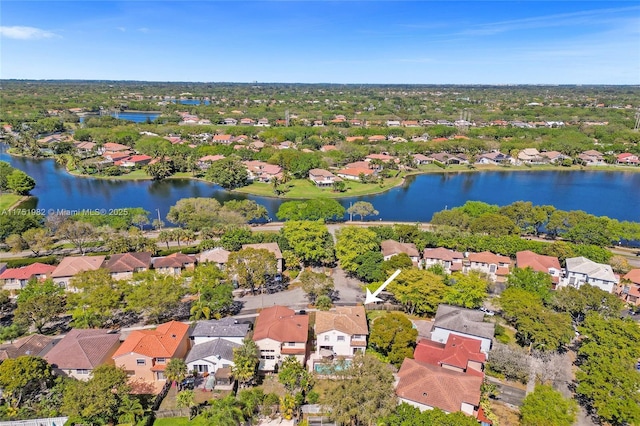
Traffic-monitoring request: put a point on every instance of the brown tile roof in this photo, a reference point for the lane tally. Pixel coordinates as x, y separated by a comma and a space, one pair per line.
272, 247
347, 319
437, 387
216, 255
536, 261
175, 260
128, 262
391, 247
488, 257
443, 254
633, 276
26, 272
354, 172
281, 324
83, 349
159, 343
72, 265
34, 344
458, 351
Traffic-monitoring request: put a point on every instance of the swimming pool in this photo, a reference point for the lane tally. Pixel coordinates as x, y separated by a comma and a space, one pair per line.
325, 369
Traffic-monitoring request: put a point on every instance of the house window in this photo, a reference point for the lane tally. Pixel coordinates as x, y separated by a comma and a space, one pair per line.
82, 371
161, 360
141, 362
326, 337
201, 368
290, 344
160, 375
267, 357
492, 268
340, 338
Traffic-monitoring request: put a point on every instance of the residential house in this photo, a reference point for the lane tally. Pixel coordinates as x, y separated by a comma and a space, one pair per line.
450, 260
85, 148
225, 328
247, 121
17, 278
554, 157
410, 123
426, 387
392, 248
628, 159
354, 138
273, 248
223, 139
540, 263
342, 332
134, 161
592, 158
327, 148
445, 158
122, 266
460, 354
33, 344
114, 147
80, 351
530, 156
279, 333
216, 255
385, 158
580, 271
393, 123
462, 322
377, 138
496, 267
145, 353
263, 122
261, 171
173, 264
210, 356
354, 173
230, 121
71, 266
494, 157
629, 287
323, 178
420, 159
205, 162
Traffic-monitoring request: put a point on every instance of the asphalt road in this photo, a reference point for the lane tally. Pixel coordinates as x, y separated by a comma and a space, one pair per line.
508, 394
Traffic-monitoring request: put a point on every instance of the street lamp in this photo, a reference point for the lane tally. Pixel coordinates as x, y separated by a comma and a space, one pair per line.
159, 220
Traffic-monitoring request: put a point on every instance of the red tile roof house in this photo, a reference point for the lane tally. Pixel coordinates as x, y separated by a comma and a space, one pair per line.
547, 264
173, 264
420, 159
392, 248
80, 351
426, 387
135, 160
145, 353
34, 344
273, 248
629, 287
354, 173
382, 157
323, 178
205, 162
225, 139
450, 260
627, 158
460, 354
495, 266
17, 278
462, 322
261, 171
377, 138
113, 147
122, 266
592, 158
71, 266
279, 333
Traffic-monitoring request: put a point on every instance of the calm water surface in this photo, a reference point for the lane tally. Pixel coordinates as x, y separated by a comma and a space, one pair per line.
612, 194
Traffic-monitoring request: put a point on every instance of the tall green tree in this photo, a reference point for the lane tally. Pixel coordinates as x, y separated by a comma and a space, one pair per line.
154, 294
546, 406
229, 173
420, 292
23, 378
251, 267
352, 242
535, 282
394, 337
99, 295
176, 370
294, 376
245, 362
326, 209
408, 415
39, 303
362, 209
20, 182
226, 411
316, 284
78, 233
468, 291
310, 241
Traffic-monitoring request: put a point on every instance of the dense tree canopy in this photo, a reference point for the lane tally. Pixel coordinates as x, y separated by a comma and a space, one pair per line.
546, 406
326, 209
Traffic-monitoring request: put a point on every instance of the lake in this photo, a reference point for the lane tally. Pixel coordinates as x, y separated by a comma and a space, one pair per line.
612, 194
136, 117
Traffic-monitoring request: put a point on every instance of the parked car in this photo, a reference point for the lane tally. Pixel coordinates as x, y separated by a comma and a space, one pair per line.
188, 383
487, 311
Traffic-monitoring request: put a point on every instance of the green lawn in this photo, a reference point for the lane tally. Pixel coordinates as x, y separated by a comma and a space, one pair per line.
180, 421
8, 200
303, 188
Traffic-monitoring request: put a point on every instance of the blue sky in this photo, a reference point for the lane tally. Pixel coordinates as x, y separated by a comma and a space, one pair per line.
422, 42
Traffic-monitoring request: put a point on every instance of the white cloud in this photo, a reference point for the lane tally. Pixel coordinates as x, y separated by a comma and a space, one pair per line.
123, 29
143, 30
26, 33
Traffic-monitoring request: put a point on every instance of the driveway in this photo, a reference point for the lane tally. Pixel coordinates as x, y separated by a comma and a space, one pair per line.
294, 299
508, 394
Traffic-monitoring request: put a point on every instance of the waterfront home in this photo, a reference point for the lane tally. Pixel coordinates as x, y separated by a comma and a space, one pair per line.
217, 255
271, 247
580, 271
79, 352
341, 332
261, 171
385, 158
17, 278
71, 266
592, 158
540, 263
445, 158
85, 148
144, 354
628, 159
530, 156
496, 267
494, 157
462, 322
420, 159
279, 332
554, 157
392, 248
461, 354
426, 387
173, 264
323, 178
205, 162
133, 161
354, 173
122, 266
629, 288
225, 328
450, 260
33, 344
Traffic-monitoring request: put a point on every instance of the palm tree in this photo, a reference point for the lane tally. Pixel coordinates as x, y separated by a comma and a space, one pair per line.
245, 360
225, 412
199, 310
165, 237
176, 370
130, 410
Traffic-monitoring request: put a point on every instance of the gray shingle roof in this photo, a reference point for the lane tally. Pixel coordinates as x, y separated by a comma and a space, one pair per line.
462, 320
221, 347
225, 327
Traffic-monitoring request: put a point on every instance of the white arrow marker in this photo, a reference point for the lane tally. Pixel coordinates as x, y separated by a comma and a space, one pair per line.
371, 298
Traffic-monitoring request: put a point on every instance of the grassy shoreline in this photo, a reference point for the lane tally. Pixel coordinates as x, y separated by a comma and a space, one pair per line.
11, 201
